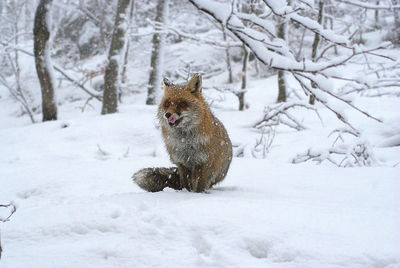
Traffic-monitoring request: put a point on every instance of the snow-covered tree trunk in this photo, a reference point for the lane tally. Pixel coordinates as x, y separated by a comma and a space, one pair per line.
157, 54
44, 67
228, 58
244, 78
281, 33
115, 55
124, 67
315, 44
396, 13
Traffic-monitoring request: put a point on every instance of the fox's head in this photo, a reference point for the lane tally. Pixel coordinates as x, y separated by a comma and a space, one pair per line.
181, 105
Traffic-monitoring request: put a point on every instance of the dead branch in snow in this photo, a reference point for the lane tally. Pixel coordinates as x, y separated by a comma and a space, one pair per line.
263, 144
13, 209
101, 151
342, 153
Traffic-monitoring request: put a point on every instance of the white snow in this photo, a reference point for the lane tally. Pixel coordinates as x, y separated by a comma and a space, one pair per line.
78, 207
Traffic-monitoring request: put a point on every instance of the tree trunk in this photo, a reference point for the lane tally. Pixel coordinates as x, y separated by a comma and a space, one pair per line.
44, 68
111, 75
228, 58
396, 13
127, 44
315, 44
281, 74
156, 55
123, 74
244, 78
377, 14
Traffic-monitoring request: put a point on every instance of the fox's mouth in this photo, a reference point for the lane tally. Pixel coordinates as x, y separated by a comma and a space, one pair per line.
174, 122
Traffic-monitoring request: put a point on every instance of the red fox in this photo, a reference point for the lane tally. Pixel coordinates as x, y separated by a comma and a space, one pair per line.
196, 141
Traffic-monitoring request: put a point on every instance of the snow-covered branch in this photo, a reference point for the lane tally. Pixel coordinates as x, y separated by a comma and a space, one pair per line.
164, 28
368, 5
66, 76
273, 52
279, 114
342, 153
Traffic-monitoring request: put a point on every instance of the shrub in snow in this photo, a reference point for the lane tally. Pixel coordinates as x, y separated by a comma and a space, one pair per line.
347, 150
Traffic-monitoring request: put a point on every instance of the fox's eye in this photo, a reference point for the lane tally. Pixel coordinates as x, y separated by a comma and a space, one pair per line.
167, 104
183, 104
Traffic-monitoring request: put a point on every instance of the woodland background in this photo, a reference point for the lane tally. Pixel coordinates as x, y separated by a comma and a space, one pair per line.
308, 91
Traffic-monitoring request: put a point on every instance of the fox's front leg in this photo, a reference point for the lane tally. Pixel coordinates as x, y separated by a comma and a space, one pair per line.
199, 179
184, 177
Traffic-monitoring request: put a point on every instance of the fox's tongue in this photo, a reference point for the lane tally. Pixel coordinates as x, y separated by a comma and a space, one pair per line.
171, 119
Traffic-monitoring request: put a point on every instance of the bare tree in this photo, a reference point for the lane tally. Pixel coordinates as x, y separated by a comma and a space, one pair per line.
277, 55
10, 52
282, 92
44, 67
316, 43
123, 74
228, 58
156, 54
112, 74
240, 94
396, 13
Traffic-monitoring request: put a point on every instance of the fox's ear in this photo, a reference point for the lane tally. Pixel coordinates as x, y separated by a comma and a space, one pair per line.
166, 82
194, 84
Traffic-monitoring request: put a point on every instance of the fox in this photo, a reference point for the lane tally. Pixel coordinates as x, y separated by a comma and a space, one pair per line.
196, 141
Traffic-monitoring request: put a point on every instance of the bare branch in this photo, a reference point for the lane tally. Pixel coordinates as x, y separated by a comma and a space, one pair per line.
368, 6
13, 209
279, 114
355, 152
339, 98
69, 78
338, 114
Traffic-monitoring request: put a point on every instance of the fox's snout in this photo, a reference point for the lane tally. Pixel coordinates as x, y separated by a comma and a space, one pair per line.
171, 118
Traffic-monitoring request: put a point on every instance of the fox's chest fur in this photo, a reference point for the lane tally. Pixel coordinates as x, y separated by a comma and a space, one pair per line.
186, 147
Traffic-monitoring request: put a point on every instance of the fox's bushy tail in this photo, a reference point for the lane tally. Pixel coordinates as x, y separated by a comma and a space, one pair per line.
156, 179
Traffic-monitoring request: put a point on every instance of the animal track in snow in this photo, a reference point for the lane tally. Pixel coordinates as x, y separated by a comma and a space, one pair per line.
258, 248
29, 193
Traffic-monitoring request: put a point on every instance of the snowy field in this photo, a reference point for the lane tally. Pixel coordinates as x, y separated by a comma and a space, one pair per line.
77, 206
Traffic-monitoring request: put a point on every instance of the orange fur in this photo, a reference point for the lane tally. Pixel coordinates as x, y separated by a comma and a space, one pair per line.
196, 141
204, 132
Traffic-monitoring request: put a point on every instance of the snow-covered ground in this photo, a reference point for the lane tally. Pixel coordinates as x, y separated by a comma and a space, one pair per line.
77, 206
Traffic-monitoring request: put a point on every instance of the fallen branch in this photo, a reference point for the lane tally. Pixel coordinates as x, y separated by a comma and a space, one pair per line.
12, 211
357, 152
263, 145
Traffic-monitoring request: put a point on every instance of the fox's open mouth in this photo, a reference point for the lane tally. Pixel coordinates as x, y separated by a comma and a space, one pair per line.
174, 123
